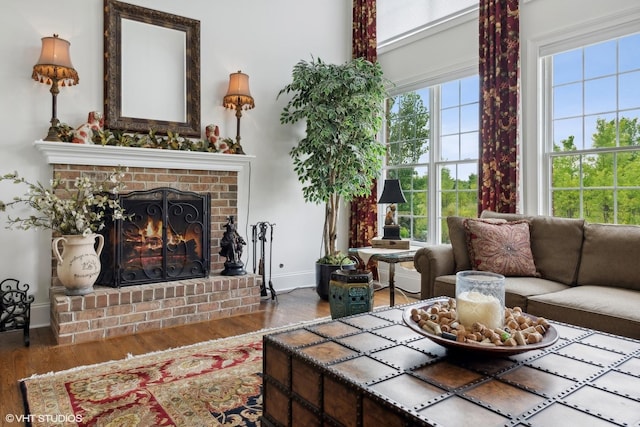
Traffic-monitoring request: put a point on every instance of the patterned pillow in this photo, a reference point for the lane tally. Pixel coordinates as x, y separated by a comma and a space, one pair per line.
503, 248
458, 238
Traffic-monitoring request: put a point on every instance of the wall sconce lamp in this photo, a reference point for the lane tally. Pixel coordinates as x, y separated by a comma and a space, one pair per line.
392, 194
239, 98
54, 68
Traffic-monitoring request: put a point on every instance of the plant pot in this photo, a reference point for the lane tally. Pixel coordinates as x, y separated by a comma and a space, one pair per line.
323, 277
350, 292
79, 262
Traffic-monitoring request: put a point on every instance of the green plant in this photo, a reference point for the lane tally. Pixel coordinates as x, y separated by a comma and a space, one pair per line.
336, 259
339, 157
65, 211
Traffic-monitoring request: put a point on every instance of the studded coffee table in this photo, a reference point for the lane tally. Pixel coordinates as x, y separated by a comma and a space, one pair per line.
371, 370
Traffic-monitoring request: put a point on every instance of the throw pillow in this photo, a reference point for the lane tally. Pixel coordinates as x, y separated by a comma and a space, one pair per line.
503, 248
458, 239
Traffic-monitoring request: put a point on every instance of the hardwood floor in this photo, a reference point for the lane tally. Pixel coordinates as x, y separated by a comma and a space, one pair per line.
17, 361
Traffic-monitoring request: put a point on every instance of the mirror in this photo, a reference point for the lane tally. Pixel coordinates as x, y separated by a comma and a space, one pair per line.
152, 70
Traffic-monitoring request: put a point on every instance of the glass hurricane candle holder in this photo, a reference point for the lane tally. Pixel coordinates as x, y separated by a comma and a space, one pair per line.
480, 298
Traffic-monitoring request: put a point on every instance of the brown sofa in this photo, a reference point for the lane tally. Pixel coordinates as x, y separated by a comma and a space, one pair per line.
588, 274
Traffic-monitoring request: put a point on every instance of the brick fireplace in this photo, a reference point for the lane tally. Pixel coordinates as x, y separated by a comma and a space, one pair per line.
111, 311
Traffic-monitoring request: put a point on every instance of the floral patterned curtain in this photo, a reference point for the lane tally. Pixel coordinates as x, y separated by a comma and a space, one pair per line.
499, 77
363, 223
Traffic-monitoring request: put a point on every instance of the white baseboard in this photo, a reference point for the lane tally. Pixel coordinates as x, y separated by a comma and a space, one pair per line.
40, 315
406, 279
287, 282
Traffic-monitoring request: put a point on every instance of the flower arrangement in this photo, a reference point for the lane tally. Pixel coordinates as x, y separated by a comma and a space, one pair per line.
81, 210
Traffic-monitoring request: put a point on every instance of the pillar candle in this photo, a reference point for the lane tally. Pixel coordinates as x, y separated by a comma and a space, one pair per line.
477, 307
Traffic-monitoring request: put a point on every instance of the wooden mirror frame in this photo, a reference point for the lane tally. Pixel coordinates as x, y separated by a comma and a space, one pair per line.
114, 12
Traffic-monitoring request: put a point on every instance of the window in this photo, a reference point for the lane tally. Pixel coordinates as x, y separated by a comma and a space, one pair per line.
432, 137
594, 117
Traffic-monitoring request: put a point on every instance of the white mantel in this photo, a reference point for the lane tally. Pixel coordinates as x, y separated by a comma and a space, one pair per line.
108, 155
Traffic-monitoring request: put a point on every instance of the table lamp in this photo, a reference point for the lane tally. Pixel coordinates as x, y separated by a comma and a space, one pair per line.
239, 98
54, 68
391, 194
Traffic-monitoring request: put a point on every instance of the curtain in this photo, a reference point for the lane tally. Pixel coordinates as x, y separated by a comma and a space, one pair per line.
364, 42
363, 221
499, 47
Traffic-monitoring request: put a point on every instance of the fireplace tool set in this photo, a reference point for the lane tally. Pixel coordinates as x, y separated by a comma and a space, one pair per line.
259, 232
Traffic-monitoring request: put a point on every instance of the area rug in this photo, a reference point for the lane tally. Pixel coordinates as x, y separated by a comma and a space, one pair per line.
215, 383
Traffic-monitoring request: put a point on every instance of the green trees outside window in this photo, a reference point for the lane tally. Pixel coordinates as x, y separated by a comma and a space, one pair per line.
594, 117
603, 184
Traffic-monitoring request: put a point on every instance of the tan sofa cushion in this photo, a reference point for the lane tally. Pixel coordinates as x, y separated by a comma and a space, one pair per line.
556, 244
611, 256
458, 237
503, 216
604, 308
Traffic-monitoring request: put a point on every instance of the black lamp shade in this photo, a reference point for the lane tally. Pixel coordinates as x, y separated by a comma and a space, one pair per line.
391, 192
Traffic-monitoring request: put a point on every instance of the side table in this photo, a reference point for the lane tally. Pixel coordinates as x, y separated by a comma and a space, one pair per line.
390, 256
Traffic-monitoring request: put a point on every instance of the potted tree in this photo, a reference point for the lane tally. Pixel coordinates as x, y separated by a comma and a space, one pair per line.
340, 155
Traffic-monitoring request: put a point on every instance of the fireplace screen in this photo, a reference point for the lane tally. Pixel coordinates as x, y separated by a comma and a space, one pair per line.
167, 238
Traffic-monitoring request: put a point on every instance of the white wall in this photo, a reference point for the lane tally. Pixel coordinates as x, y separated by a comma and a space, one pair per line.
263, 39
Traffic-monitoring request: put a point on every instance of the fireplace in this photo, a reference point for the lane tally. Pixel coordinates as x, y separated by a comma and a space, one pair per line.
114, 311
166, 238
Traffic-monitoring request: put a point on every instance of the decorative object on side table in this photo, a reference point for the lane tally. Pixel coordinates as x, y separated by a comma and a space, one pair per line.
15, 307
231, 248
54, 67
391, 194
239, 98
380, 243
76, 215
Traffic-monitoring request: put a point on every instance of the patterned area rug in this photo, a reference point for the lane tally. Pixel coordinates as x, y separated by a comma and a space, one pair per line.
207, 384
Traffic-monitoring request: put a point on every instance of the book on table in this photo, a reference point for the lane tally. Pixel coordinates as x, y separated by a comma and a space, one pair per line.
377, 242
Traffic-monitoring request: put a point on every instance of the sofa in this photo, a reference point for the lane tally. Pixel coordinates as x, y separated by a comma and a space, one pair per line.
580, 273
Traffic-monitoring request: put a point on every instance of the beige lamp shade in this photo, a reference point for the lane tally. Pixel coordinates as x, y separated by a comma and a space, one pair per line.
55, 62
54, 68
238, 94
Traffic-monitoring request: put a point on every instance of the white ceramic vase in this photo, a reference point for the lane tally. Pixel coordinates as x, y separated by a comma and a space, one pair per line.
79, 262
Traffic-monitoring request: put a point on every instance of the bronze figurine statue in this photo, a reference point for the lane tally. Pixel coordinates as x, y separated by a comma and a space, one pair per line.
231, 248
